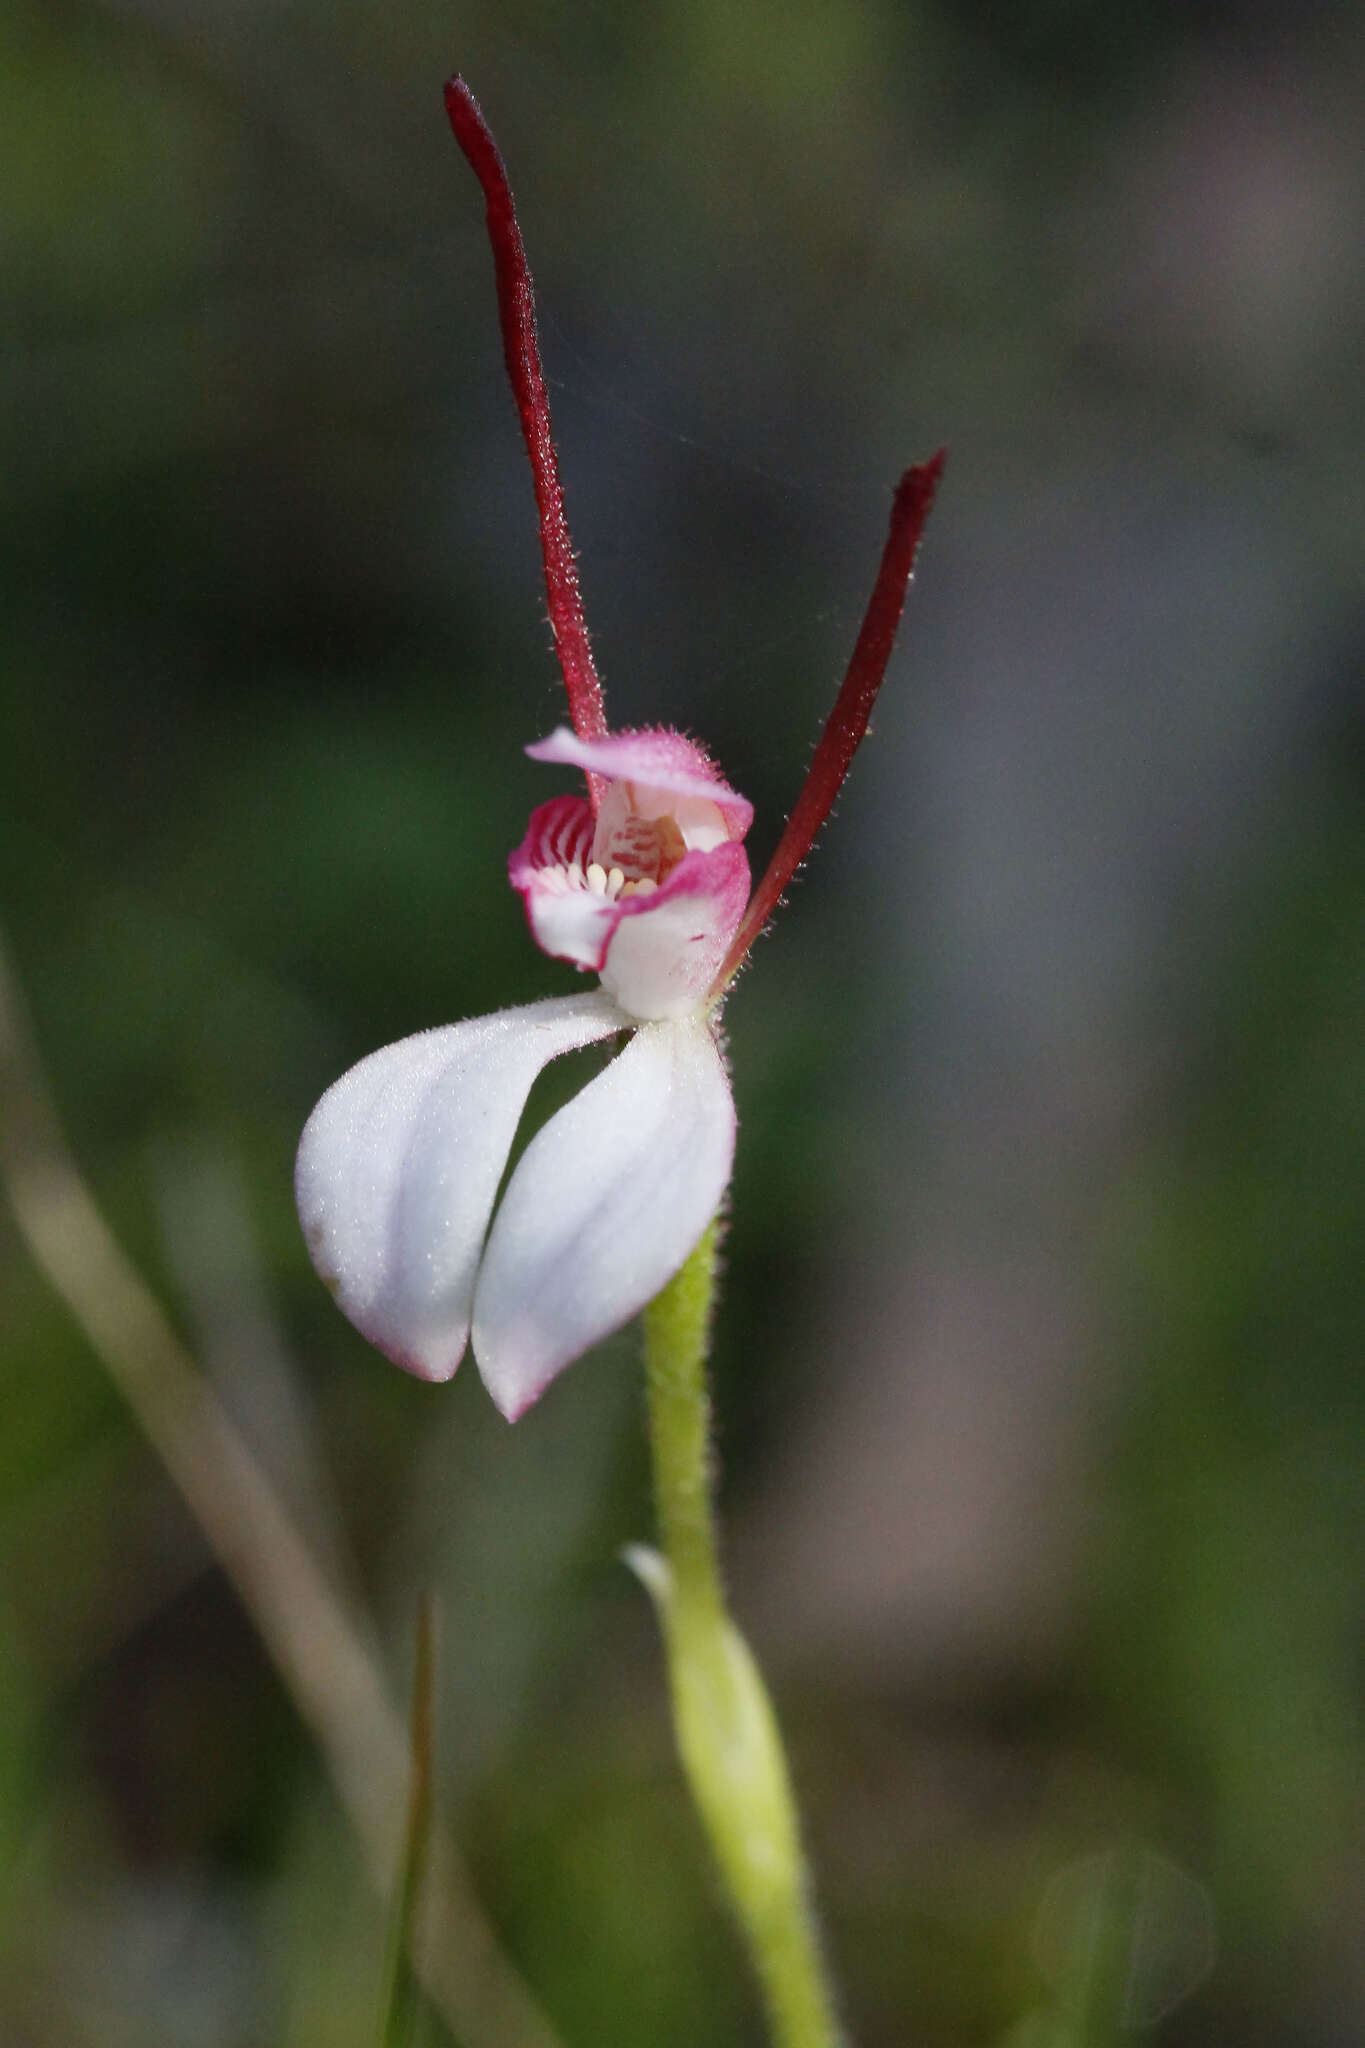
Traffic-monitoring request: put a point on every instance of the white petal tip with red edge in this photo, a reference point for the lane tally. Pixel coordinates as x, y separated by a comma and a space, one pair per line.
399, 1166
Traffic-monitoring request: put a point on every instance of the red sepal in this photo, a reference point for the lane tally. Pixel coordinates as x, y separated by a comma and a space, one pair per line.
521, 352
847, 722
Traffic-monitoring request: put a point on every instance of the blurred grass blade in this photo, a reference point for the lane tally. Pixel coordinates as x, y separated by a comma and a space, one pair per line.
402, 2009
320, 1642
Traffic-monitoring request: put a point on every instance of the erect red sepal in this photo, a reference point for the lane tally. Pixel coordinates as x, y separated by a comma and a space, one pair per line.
847, 722
521, 351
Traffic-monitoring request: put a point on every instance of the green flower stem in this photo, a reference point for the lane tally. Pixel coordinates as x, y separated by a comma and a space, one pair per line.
727, 1734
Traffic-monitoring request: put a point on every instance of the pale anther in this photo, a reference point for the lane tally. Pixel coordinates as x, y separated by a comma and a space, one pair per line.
597, 878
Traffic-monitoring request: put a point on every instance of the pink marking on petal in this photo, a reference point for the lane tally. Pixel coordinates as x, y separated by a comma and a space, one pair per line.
521, 352
632, 844
566, 919
847, 722
558, 833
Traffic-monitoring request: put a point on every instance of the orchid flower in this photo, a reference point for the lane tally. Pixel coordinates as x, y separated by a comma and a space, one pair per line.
644, 882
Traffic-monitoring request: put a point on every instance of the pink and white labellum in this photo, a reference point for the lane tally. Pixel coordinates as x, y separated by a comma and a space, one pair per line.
642, 881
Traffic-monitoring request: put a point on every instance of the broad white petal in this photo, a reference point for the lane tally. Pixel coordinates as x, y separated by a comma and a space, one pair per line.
605, 1204
400, 1161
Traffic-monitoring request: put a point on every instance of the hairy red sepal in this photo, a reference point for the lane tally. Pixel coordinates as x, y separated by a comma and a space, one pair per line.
521, 351
847, 722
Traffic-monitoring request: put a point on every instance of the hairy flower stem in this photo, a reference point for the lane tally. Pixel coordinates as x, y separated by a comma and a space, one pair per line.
727, 1734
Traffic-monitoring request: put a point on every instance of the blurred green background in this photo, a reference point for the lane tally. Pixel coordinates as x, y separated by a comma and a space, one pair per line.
1042, 1416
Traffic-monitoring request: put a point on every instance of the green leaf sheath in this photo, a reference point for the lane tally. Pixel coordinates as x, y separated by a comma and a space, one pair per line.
727, 1733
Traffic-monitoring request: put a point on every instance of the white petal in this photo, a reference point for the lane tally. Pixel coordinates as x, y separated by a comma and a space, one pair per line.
568, 923
604, 1206
400, 1161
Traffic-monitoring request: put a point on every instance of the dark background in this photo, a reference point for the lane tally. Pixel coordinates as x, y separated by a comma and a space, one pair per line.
1039, 1367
